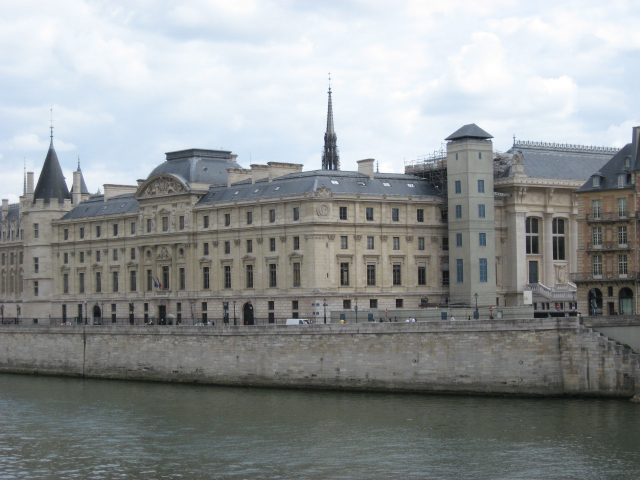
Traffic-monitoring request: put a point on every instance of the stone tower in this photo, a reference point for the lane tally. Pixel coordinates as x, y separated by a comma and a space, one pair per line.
471, 216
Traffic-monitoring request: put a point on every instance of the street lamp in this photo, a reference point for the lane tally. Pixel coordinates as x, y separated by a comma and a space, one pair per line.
234, 312
356, 309
477, 314
86, 313
324, 304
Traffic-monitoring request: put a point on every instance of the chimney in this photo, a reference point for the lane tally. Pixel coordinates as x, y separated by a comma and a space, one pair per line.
5, 207
77, 187
30, 182
258, 172
366, 167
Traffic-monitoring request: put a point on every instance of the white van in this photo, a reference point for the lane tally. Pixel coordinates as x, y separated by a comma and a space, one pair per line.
297, 321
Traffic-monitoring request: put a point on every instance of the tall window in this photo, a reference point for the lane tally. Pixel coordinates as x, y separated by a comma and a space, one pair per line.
597, 265
596, 235
227, 247
149, 281
98, 231
343, 213
273, 275
165, 224
420, 243
458, 211
344, 274
149, 225
622, 207
227, 219
133, 228
622, 264
369, 214
249, 276
81, 282
205, 221
296, 213
482, 239
249, 246
344, 242
181, 222
458, 239
596, 208
115, 229
557, 230
397, 274
296, 274
422, 273
165, 277
396, 243
81, 232
65, 283
596, 181
371, 274
66, 233
66, 257
621, 180
115, 254
182, 279
205, 278
622, 235
249, 218
483, 269
272, 244
272, 215
205, 248
36, 230
459, 270
481, 211
531, 230
114, 281
370, 243
227, 276
132, 281
395, 214
420, 215
480, 186
36, 265
296, 243
445, 243
36, 289
133, 253
98, 282
458, 186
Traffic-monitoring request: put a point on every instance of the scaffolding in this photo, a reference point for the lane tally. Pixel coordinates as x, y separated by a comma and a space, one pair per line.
432, 167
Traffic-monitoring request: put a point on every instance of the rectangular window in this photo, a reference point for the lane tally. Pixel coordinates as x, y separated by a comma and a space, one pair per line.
272, 244
205, 221
445, 243
35, 289
346, 304
249, 276
65, 283
227, 219
397, 274
205, 248
370, 243
227, 276
445, 278
98, 282
21, 257
531, 239
420, 243
458, 186
459, 270
296, 274
344, 242
81, 232
133, 228
596, 235
115, 229
369, 214
149, 281
227, 247
36, 265
622, 235
249, 218
371, 274
480, 186
165, 224
557, 232
273, 275
458, 211
395, 214
149, 225
181, 222
133, 253
373, 303
249, 246
481, 212
621, 181
165, 278
66, 234
66, 257
596, 181
597, 265
296, 243
458, 239
81, 282
271, 305
396, 243
36, 230
115, 254
272, 215
399, 303
132, 281
205, 278
622, 264
182, 279
98, 231
482, 239
420, 215
483, 269
622, 208
343, 213
114, 282
296, 213
422, 273
344, 274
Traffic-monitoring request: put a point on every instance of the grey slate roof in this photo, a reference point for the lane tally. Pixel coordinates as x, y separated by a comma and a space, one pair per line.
469, 131
560, 162
96, 206
198, 165
610, 171
300, 183
13, 213
51, 184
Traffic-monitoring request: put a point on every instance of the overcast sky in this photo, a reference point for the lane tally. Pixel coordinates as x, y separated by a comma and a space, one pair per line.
131, 80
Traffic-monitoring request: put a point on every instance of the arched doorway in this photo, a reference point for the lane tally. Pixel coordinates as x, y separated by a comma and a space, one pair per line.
247, 313
626, 301
97, 315
595, 301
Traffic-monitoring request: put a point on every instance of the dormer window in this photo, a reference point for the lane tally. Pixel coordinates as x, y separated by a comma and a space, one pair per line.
621, 181
627, 162
596, 182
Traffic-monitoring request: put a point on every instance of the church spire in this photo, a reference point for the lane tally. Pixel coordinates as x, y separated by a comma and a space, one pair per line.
51, 184
330, 156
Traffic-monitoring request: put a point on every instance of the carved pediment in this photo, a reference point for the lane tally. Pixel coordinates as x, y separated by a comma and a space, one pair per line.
205, 260
132, 264
248, 258
295, 257
164, 254
161, 185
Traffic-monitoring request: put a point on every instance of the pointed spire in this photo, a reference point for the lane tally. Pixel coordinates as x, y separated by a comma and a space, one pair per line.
51, 184
83, 186
330, 156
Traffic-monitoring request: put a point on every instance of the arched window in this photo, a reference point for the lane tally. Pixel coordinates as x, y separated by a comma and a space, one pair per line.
531, 229
557, 230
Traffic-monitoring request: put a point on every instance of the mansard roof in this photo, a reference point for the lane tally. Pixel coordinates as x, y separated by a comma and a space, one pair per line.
12, 214
621, 163
198, 165
469, 131
96, 206
51, 184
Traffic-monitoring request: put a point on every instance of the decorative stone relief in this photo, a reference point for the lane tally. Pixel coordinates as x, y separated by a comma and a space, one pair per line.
357, 237
323, 210
409, 238
259, 240
383, 238
164, 254
236, 241
163, 186
215, 244
331, 237
323, 192
283, 239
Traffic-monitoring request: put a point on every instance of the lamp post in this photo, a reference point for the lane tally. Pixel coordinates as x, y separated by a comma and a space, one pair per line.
86, 313
356, 309
477, 314
324, 304
234, 312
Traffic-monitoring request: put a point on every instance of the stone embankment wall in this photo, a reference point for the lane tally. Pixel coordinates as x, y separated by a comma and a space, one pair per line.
524, 357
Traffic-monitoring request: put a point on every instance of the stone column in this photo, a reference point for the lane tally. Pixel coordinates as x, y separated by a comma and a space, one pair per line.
516, 273
573, 243
548, 278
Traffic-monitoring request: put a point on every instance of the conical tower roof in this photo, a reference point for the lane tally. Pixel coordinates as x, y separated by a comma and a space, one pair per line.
83, 186
51, 184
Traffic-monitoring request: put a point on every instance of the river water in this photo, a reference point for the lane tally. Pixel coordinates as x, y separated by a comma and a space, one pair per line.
99, 429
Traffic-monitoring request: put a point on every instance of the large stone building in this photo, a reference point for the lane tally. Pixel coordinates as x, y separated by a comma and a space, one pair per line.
203, 239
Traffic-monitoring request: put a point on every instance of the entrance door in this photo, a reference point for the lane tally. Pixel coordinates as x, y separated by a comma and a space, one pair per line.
247, 313
595, 301
162, 315
533, 272
97, 315
626, 301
